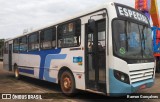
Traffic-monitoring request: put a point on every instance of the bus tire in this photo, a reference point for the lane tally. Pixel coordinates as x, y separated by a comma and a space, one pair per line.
16, 72
67, 83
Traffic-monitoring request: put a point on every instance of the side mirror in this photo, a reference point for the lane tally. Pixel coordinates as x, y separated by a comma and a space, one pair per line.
91, 26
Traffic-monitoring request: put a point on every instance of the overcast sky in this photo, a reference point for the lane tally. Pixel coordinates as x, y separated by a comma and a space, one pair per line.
17, 15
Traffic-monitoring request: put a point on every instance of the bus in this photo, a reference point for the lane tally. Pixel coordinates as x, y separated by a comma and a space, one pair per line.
106, 50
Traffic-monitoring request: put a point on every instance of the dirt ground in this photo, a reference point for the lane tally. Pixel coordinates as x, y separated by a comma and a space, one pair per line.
8, 84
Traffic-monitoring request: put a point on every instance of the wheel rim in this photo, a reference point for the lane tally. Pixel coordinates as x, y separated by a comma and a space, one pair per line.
67, 83
16, 73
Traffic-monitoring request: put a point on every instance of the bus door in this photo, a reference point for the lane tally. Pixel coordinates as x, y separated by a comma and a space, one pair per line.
96, 57
10, 57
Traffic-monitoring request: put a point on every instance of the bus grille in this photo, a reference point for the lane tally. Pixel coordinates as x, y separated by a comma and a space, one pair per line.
140, 75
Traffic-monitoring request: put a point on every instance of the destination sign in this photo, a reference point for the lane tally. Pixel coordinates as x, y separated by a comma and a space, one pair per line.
128, 12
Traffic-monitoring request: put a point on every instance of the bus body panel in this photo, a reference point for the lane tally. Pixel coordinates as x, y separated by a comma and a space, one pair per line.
5, 62
28, 62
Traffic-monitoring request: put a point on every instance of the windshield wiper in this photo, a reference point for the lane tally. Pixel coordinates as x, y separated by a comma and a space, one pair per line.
126, 33
143, 38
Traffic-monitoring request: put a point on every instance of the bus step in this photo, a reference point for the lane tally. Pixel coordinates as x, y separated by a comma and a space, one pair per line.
93, 91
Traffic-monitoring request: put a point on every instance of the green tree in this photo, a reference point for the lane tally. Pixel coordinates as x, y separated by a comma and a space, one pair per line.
1, 43
1, 48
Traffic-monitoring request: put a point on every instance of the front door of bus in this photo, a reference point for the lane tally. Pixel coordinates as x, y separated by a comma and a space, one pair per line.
10, 57
96, 57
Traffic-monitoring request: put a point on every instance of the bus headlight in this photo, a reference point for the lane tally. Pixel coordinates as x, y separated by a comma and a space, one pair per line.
121, 76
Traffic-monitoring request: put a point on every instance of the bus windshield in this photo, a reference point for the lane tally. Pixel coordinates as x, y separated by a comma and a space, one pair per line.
131, 40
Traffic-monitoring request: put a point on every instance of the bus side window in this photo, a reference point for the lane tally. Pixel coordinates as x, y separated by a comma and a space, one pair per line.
48, 38
69, 34
33, 41
23, 44
6, 48
54, 37
16, 45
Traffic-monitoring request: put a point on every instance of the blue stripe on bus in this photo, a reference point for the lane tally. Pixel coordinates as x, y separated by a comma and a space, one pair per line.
28, 71
47, 65
43, 54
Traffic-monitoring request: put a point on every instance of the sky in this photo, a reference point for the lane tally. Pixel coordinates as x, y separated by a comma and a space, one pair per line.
19, 15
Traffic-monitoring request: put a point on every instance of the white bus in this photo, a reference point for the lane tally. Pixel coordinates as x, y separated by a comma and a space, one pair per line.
107, 50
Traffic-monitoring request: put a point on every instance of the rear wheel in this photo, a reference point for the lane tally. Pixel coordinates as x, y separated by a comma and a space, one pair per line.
16, 72
67, 83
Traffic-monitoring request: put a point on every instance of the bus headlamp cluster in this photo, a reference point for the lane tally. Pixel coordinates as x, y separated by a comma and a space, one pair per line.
121, 76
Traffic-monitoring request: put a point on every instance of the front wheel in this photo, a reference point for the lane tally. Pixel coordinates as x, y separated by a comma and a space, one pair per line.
67, 83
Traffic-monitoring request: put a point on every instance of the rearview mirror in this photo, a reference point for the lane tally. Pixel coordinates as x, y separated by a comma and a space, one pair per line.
91, 25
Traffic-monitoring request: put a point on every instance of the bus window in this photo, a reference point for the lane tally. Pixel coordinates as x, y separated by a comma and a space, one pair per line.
69, 34
6, 48
33, 41
48, 38
16, 45
23, 44
130, 41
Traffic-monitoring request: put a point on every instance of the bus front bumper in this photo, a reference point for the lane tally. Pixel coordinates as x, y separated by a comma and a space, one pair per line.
118, 88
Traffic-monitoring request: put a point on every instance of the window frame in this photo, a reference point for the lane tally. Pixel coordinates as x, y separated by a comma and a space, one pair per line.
53, 28
25, 43
77, 22
128, 60
38, 41
15, 51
